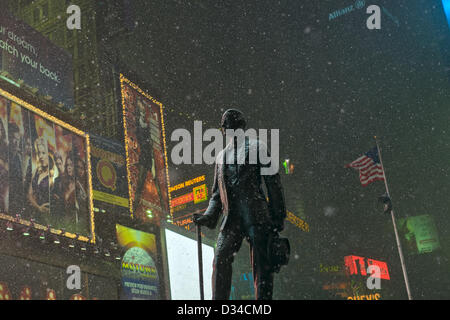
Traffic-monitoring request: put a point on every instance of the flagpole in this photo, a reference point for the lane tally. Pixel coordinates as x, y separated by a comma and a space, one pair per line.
399, 246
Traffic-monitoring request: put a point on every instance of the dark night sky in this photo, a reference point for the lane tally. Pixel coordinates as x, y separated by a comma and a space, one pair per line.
329, 86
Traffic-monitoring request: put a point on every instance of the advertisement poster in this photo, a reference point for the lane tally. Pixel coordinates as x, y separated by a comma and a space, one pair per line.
145, 146
109, 173
26, 54
140, 278
43, 171
420, 234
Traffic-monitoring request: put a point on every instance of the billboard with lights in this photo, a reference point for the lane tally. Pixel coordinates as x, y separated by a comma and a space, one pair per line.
145, 148
109, 173
140, 276
30, 59
45, 179
419, 234
188, 197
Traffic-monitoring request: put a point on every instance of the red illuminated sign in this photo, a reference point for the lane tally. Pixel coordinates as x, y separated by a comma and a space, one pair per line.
182, 199
357, 265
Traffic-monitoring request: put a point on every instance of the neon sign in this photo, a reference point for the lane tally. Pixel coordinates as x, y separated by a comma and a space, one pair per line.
357, 265
187, 183
296, 221
327, 269
200, 193
189, 197
375, 296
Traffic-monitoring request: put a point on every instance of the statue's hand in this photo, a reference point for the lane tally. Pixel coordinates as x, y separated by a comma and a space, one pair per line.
202, 220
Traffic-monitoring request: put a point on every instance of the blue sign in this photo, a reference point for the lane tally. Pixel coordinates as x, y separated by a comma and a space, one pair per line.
139, 276
27, 55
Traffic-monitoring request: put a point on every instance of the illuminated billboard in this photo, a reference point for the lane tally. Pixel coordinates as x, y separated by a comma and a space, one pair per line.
44, 171
358, 265
419, 234
140, 276
27, 56
109, 172
182, 259
145, 146
188, 197
297, 221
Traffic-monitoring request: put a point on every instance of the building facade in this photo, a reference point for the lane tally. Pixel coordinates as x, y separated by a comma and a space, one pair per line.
93, 89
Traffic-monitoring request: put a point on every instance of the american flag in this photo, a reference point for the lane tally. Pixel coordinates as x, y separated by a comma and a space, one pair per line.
369, 167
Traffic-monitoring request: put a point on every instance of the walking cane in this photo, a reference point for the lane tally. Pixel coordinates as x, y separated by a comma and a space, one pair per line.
200, 262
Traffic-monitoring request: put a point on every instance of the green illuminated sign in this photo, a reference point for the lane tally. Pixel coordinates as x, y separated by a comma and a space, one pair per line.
420, 234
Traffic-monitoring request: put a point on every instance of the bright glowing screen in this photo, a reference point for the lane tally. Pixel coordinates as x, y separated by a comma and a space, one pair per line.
182, 258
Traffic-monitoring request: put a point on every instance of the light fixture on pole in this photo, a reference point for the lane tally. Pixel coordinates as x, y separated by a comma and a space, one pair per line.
56, 239
26, 231
9, 226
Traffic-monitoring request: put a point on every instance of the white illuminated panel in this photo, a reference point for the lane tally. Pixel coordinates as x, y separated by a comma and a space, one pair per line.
182, 259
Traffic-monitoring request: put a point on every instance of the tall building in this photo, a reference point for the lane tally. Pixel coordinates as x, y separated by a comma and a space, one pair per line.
93, 84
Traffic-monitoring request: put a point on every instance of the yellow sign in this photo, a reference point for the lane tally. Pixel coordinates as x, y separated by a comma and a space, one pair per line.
106, 174
111, 156
187, 183
180, 207
109, 198
375, 296
299, 223
200, 193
